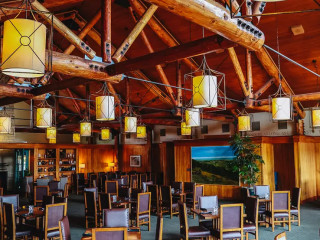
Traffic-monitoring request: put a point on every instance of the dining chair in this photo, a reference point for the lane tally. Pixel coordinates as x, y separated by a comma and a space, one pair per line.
51, 178
111, 187
43, 181
295, 205
245, 193
92, 189
104, 202
177, 186
66, 190
145, 184
93, 180
53, 214
125, 180
54, 188
159, 229
79, 182
117, 217
207, 203
90, 208
251, 220
197, 193
281, 236
134, 181
187, 232
12, 198
230, 222
142, 178
280, 209
11, 230
124, 192
63, 182
154, 190
64, 229
261, 190
141, 214
188, 187
166, 201
134, 193
109, 233
39, 192
58, 199
47, 200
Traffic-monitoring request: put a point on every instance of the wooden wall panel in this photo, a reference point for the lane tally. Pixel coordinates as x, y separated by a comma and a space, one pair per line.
267, 169
223, 191
85, 158
182, 163
141, 150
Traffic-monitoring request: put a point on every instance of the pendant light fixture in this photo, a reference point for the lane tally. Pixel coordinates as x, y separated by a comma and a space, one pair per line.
244, 122
315, 111
192, 117
85, 128
105, 105
53, 140
24, 45
76, 137
105, 134
6, 126
130, 124
185, 130
141, 131
44, 115
51, 132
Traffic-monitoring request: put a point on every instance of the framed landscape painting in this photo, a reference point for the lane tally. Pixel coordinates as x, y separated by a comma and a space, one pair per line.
209, 165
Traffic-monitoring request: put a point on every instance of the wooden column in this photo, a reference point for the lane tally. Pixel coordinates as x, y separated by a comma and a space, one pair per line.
249, 73
106, 31
126, 44
179, 84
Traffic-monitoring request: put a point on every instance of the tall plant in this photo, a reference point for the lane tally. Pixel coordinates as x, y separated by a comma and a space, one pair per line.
246, 160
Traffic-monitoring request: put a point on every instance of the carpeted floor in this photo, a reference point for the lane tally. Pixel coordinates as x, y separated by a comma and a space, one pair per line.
309, 229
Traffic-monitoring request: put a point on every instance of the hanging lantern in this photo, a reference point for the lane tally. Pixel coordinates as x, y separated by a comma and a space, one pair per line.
205, 91
44, 117
244, 123
315, 117
5, 125
85, 129
141, 131
51, 132
105, 108
105, 134
76, 137
24, 48
185, 130
53, 140
193, 117
130, 124
281, 108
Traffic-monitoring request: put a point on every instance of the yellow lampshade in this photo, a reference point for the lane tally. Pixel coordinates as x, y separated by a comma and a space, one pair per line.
316, 117
53, 140
111, 164
23, 49
193, 117
76, 137
105, 108
105, 134
85, 129
244, 123
185, 130
44, 117
5, 125
51, 132
205, 91
281, 108
141, 132
130, 124
82, 165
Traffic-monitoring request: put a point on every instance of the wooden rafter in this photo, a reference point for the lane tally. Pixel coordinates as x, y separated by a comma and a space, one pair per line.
264, 88
249, 73
106, 31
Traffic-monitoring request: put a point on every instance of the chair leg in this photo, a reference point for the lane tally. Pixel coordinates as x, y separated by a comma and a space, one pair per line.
272, 223
289, 223
298, 218
247, 236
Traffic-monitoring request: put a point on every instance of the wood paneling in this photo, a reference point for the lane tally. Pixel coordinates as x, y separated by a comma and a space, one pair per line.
182, 163
141, 150
267, 169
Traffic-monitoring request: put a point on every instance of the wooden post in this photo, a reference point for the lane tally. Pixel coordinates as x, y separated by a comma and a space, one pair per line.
249, 73
63, 29
106, 31
179, 84
247, 9
258, 8
16, 91
126, 44
258, 93
128, 95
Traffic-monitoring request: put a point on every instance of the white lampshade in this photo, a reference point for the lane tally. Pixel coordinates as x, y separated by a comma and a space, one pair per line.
244, 123
23, 48
205, 91
105, 133
44, 117
5, 125
130, 124
316, 117
76, 137
281, 108
105, 109
85, 129
51, 132
53, 140
193, 117
141, 131
185, 130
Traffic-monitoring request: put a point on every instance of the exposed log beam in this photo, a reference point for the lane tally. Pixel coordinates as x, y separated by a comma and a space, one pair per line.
216, 18
296, 98
235, 5
106, 31
264, 88
126, 44
179, 84
258, 8
239, 72
265, 108
63, 29
16, 91
249, 73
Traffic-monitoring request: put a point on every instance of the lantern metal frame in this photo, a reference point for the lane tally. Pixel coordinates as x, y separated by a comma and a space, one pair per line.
29, 10
86, 120
45, 104
110, 134
142, 125
4, 113
311, 117
245, 113
73, 137
184, 117
183, 121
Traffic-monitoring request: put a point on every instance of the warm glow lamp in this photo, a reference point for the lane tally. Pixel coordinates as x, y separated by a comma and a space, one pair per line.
185, 130
51, 132
5, 125
193, 117
76, 137
53, 140
105, 108
130, 124
141, 131
82, 165
244, 123
315, 117
44, 117
281, 108
204, 91
23, 48
85, 129
105, 133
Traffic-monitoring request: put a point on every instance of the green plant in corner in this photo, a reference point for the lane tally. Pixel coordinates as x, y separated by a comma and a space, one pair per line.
246, 160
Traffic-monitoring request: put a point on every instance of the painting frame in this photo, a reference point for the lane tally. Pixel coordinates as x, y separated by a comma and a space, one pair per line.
135, 161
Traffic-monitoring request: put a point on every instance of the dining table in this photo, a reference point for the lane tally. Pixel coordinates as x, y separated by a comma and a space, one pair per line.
37, 215
132, 235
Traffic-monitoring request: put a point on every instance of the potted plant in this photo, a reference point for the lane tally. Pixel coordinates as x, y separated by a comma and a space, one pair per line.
246, 160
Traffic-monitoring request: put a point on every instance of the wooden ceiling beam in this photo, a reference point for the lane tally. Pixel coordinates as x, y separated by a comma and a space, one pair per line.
126, 44
264, 88
249, 73
296, 98
16, 91
106, 31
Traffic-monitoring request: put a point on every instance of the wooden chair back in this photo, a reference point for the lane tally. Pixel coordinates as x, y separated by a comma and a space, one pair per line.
281, 236
231, 218
109, 233
39, 192
159, 228
53, 214
111, 187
